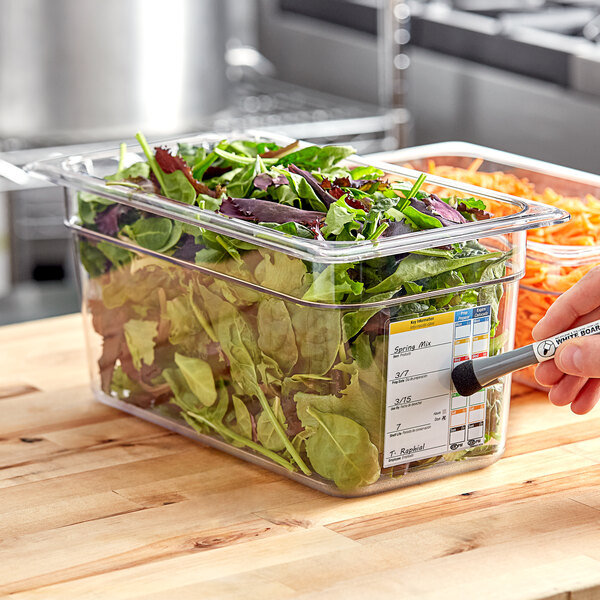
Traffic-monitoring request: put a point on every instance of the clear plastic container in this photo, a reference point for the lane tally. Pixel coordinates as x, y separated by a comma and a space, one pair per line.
550, 269
257, 352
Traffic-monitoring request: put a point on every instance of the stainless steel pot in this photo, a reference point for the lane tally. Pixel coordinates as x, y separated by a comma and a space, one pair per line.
99, 69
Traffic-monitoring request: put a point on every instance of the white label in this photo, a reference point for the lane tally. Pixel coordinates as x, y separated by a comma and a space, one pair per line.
424, 416
546, 349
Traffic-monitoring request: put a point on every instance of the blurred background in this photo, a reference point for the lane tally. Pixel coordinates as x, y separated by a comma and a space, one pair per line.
517, 75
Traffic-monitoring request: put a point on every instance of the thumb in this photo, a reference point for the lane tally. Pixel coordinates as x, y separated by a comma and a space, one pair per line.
580, 357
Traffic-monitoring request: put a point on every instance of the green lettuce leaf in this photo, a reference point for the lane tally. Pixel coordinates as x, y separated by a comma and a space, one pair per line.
282, 273
415, 267
276, 334
178, 187
318, 334
199, 377
266, 432
340, 450
154, 233
243, 424
332, 284
313, 158
139, 169
139, 336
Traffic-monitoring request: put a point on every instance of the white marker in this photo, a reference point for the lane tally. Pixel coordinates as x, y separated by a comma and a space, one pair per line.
472, 375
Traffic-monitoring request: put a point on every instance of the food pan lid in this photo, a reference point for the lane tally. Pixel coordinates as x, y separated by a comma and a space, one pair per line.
468, 150
84, 172
523, 167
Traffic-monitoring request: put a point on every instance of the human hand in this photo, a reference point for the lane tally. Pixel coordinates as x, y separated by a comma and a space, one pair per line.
574, 374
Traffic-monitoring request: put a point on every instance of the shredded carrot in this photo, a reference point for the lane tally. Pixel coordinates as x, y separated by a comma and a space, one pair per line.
543, 281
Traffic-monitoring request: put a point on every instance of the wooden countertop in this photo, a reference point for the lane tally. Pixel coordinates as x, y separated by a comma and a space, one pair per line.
97, 504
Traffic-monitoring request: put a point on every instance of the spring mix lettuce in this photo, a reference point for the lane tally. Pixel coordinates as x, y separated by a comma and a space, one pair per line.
301, 384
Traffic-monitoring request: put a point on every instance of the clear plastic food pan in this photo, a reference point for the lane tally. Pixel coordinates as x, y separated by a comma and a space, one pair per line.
557, 257
326, 361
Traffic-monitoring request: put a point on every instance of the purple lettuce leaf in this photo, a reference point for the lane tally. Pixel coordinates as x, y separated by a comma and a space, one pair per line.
478, 213
264, 180
397, 228
107, 221
266, 211
444, 210
187, 250
434, 207
326, 198
215, 172
355, 183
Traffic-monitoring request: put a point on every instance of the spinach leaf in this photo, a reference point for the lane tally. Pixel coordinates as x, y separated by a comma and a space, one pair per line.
283, 194
276, 334
231, 158
354, 321
201, 420
282, 273
204, 419
340, 450
318, 334
421, 220
173, 238
139, 169
199, 377
269, 371
332, 284
415, 267
118, 256
242, 417
178, 187
210, 256
249, 147
361, 351
313, 158
435, 252
152, 233
184, 397
92, 259
443, 281
266, 432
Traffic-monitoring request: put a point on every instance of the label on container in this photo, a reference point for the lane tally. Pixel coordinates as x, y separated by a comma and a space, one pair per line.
424, 415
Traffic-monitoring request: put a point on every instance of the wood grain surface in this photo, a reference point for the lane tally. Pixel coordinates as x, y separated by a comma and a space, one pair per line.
97, 504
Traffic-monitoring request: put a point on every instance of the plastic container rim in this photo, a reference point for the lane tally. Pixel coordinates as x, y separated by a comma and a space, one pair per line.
61, 171
76, 229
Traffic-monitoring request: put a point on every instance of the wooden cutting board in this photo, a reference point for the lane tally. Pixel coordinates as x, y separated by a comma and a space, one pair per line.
98, 504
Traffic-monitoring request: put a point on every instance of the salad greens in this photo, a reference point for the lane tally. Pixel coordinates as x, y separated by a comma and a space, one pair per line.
274, 371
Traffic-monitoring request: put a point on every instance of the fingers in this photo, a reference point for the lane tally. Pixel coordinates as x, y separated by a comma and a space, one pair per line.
587, 398
588, 318
548, 373
583, 298
579, 357
566, 390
